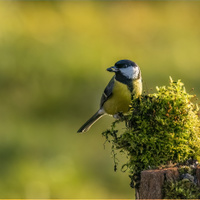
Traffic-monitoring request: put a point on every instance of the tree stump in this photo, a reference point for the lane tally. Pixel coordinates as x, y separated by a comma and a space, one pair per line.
198, 175
153, 180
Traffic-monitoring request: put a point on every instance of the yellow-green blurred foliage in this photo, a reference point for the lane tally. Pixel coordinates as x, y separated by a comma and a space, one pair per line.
53, 57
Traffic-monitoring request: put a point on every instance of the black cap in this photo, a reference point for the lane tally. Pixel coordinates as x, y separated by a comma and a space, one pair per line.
125, 63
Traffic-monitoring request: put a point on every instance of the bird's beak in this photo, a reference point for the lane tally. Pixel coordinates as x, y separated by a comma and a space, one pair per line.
113, 69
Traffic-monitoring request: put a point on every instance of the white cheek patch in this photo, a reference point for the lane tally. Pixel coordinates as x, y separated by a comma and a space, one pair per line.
130, 72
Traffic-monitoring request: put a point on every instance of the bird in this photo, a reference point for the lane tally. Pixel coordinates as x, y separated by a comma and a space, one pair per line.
116, 98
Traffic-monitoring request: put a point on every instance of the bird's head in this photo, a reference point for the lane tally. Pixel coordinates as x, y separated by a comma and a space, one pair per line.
126, 68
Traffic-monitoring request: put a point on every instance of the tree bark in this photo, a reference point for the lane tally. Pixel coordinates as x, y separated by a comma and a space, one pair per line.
152, 182
198, 175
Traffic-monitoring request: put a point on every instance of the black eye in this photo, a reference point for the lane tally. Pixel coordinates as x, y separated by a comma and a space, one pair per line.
119, 66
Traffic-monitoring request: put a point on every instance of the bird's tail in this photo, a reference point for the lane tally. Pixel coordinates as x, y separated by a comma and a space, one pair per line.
91, 121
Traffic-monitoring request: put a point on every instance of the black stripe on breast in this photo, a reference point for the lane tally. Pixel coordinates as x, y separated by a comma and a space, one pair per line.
121, 78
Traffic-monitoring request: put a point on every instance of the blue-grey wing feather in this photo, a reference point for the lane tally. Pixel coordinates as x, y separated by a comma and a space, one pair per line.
107, 92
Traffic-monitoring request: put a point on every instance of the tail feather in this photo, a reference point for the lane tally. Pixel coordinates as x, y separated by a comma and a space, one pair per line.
90, 122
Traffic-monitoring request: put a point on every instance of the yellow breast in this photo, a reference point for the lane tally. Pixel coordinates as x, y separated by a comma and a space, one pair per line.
119, 101
121, 97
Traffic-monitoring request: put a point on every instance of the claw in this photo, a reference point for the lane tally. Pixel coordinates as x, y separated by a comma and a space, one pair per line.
118, 115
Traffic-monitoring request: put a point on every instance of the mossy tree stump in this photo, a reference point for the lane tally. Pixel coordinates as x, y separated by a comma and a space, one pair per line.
171, 182
161, 128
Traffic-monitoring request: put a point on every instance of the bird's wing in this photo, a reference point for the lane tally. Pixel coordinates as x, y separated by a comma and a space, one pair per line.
107, 92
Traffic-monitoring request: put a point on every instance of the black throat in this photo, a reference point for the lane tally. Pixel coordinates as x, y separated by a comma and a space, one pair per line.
123, 79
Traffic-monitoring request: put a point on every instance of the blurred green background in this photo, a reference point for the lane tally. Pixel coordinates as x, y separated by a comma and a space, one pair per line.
53, 60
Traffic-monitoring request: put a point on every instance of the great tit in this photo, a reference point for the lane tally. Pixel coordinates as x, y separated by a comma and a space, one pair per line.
116, 98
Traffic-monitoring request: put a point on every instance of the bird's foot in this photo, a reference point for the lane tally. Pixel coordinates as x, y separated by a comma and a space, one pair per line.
118, 116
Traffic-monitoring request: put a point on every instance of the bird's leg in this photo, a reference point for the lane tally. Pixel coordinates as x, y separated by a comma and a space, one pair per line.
118, 116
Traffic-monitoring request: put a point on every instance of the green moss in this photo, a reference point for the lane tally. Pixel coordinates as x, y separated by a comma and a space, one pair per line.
186, 169
186, 185
182, 189
162, 127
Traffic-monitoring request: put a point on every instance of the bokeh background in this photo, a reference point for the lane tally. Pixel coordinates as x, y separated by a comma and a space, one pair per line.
53, 60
